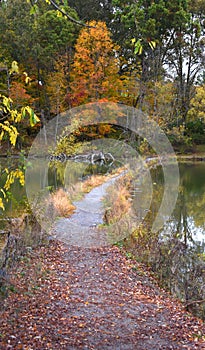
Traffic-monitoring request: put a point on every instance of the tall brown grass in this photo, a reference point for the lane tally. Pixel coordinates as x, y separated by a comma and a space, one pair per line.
61, 203
117, 201
77, 191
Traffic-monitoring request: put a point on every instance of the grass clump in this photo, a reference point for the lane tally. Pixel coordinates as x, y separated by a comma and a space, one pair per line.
61, 203
118, 201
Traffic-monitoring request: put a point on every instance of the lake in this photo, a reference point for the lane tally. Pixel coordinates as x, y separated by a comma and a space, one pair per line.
188, 217
176, 254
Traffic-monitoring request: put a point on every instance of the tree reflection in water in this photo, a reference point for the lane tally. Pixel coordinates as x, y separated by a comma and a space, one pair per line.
176, 254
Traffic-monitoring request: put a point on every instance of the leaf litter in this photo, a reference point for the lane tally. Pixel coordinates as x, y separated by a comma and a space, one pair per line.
66, 297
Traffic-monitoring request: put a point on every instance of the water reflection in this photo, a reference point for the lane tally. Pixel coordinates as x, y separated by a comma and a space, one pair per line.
70, 172
176, 254
188, 220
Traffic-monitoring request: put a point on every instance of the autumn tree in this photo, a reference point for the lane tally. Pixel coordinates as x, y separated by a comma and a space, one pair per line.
94, 73
166, 37
197, 110
34, 34
57, 85
195, 126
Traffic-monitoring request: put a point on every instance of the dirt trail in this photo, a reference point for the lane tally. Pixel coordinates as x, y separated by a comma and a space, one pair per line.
73, 298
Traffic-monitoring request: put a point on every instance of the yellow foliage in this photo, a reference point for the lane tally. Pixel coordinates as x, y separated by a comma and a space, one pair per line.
57, 86
2, 204
11, 130
11, 176
9, 120
104, 129
14, 67
14, 174
14, 116
197, 110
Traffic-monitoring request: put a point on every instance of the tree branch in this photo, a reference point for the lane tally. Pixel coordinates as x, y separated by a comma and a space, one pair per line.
195, 302
68, 16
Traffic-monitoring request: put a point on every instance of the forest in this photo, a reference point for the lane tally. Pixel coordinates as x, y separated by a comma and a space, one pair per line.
147, 54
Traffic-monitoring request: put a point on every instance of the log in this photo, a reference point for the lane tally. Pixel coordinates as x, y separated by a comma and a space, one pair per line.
93, 158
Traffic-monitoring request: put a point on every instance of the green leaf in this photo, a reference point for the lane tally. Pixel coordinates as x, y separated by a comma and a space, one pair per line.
138, 48
34, 9
33, 118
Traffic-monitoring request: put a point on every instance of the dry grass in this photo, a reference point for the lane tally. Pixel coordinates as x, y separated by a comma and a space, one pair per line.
118, 215
93, 181
118, 200
61, 202
77, 191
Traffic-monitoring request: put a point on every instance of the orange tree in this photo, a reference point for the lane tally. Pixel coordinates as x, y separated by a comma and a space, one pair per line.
94, 73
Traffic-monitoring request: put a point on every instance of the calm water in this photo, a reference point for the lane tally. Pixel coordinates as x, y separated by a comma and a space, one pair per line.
188, 219
176, 254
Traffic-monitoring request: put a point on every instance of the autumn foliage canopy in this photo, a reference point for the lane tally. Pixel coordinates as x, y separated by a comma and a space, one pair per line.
94, 74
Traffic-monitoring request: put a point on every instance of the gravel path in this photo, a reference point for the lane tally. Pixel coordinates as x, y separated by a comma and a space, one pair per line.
81, 228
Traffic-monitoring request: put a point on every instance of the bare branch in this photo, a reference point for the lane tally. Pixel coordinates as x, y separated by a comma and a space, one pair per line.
68, 16
194, 302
